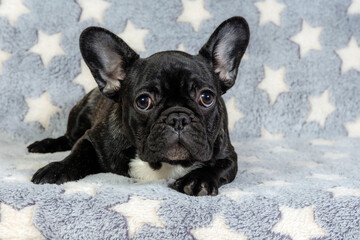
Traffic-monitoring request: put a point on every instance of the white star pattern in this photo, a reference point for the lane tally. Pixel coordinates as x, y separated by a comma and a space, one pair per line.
12, 10
194, 13
354, 7
234, 193
270, 11
48, 46
273, 83
218, 230
139, 212
85, 78
3, 57
80, 186
350, 56
320, 108
299, 224
134, 37
17, 224
307, 39
344, 192
93, 9
234, 114
181, 47
265, 134
353, 128
40, 110
245, 57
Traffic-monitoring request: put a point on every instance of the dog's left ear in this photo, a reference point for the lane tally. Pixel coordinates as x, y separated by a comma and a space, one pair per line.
225, 48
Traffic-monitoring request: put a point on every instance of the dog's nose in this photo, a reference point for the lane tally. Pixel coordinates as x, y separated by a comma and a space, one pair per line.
178, 120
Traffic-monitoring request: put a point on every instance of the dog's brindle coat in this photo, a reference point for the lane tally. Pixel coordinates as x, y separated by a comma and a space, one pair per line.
166, 109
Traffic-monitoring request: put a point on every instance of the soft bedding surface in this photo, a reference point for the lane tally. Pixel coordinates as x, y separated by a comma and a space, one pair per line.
294, 119
285, 189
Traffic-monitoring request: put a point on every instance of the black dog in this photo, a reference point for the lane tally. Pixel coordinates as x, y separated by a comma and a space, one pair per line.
166, 110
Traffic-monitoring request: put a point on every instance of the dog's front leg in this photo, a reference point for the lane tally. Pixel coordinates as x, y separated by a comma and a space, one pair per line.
207, 179
81, 162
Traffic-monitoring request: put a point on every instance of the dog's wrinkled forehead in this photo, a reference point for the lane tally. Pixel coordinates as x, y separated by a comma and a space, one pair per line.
172, 72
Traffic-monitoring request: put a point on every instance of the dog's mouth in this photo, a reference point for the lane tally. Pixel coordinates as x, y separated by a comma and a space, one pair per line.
177, 152
165, 143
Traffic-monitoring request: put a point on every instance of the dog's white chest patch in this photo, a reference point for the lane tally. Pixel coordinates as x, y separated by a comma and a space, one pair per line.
142, 172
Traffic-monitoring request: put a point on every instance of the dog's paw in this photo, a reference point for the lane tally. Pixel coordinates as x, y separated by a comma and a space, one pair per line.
50, 145
38, 147
55, 172
196, 184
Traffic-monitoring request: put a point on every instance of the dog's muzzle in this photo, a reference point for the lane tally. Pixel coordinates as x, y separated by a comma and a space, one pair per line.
178, 118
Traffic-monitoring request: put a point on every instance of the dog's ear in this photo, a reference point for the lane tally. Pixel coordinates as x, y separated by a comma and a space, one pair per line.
225, 48
108, 58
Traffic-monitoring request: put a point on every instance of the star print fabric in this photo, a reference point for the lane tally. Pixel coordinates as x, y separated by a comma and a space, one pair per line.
286, 189
294, 120
293, 59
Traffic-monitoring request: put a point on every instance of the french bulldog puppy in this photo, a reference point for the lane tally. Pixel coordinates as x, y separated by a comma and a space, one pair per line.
152, 118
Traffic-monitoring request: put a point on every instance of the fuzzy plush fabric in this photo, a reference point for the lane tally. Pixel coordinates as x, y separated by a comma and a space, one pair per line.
285, 189
298, 86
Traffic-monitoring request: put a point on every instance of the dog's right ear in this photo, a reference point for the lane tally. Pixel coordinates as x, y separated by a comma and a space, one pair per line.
108, 58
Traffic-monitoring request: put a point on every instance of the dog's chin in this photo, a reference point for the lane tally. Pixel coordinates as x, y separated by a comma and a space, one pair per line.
177, 152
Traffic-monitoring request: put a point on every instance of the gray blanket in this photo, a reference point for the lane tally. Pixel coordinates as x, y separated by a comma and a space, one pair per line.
285, 189
294, 118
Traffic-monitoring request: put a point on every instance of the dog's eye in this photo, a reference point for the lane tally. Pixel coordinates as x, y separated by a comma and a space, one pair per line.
206, 99
144, 102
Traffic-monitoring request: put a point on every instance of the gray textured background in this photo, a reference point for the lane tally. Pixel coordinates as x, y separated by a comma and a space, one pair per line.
24, 75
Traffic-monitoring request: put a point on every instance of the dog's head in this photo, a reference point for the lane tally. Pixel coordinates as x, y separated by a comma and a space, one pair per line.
171, 102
